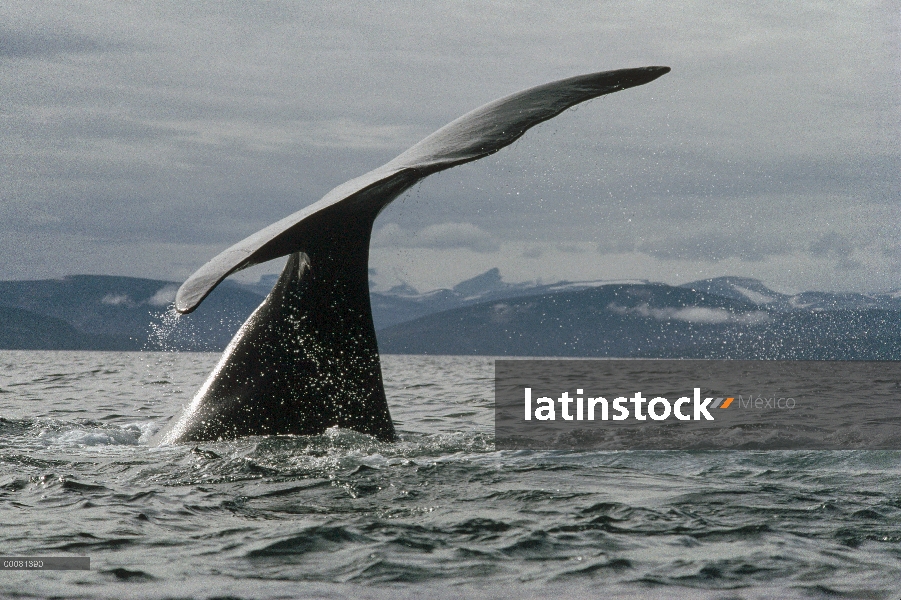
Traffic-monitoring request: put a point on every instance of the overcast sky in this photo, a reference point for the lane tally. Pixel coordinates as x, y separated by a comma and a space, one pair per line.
142, 139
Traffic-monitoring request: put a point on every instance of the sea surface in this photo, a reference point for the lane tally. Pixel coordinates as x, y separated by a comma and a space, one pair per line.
441, 514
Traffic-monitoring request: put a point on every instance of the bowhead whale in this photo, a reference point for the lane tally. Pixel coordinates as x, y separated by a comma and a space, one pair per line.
307, 359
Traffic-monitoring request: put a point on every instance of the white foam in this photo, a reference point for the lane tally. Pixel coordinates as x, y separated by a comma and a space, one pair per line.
128, 435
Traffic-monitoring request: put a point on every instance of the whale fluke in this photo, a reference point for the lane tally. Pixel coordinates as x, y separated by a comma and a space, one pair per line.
475, 135
307, 358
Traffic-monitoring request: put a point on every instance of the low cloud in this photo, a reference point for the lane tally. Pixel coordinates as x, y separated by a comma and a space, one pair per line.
116, 300
163, 297
693, 314
444, 236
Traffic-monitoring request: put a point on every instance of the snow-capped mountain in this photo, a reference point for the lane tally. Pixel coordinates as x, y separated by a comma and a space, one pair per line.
752, 290
483, 314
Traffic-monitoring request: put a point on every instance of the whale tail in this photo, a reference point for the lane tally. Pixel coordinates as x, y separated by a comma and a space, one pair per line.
307, 358
281, 374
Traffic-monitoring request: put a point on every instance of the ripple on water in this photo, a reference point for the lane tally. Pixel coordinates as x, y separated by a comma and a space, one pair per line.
440, 512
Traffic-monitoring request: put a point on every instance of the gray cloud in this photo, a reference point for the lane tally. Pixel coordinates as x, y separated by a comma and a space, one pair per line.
691, 243
442, 236
715, 246
893, 251
569, 248
50, 42
170, 129
831, 245
835, 246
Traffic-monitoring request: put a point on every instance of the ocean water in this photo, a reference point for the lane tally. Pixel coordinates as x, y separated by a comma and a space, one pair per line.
441, 513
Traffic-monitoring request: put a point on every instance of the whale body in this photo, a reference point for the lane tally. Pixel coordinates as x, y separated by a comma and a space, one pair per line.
307, 358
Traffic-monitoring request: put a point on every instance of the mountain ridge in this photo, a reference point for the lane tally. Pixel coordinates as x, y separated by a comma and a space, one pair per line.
126, 313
